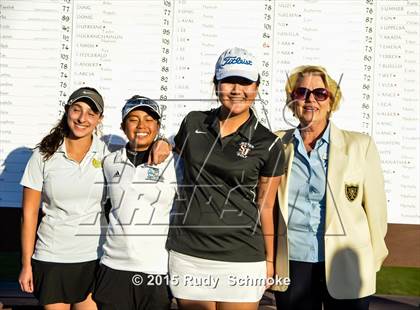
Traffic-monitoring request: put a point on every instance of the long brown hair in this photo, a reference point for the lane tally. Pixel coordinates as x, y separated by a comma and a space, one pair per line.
51, 142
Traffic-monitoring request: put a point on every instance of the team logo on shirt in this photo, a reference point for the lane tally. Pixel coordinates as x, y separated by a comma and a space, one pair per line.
244, 149
152, 174
351, 191
96, 163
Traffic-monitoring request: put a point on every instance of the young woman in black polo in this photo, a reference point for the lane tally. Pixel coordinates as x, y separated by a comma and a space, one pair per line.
221, 239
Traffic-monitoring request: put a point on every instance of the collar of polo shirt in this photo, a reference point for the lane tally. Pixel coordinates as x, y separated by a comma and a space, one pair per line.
93, 148
121, 156
246, 130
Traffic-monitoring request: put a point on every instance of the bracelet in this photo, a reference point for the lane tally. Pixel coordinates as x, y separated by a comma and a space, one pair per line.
270, 261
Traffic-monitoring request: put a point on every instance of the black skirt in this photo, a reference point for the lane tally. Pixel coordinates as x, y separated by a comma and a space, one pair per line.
128, 290
68, 283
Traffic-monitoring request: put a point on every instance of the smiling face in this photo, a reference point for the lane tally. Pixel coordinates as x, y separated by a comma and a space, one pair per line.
141, 129
82, 120
236, 94
310, 110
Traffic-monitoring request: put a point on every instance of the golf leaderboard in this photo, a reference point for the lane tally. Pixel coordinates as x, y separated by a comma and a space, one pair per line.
167, 48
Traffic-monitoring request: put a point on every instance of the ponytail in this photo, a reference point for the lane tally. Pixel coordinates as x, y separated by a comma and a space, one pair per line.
51, 142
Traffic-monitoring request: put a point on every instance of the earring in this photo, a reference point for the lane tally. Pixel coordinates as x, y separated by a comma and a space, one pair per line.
98, 130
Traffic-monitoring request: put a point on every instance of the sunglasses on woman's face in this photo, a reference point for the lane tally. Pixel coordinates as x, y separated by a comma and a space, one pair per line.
303, 93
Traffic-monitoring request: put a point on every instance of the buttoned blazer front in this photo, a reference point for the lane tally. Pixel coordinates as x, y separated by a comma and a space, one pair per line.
354, 229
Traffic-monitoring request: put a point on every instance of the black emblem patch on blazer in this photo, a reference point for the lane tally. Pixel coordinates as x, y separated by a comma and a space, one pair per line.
351, 191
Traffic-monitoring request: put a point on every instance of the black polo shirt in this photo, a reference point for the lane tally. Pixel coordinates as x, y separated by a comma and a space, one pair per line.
216, 213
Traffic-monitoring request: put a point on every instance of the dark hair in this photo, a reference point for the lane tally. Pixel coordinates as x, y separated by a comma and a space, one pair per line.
51, 142
215, 81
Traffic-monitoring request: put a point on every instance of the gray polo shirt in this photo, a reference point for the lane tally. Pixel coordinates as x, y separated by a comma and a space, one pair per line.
72, 195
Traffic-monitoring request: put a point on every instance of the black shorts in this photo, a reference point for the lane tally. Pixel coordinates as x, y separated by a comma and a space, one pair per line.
115, 290
68, 283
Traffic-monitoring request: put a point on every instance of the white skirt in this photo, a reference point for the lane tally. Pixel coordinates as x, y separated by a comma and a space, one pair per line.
196, 278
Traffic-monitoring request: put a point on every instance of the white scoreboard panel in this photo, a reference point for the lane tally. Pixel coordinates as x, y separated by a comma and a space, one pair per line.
166, 50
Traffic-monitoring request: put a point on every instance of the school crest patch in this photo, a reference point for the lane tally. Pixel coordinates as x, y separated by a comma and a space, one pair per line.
96, 163
244, 149
351, 191
152, 174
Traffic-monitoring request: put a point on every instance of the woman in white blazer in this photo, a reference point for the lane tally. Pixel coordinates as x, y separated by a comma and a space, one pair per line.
332, 204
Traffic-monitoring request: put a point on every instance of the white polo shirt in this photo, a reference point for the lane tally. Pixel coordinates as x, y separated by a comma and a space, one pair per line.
142, 199
72, 198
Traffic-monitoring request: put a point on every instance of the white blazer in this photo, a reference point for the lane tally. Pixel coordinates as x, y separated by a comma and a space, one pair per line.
356, 215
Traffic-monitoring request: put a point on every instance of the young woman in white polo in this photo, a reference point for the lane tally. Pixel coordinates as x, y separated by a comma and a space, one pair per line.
134, 266
65, 175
